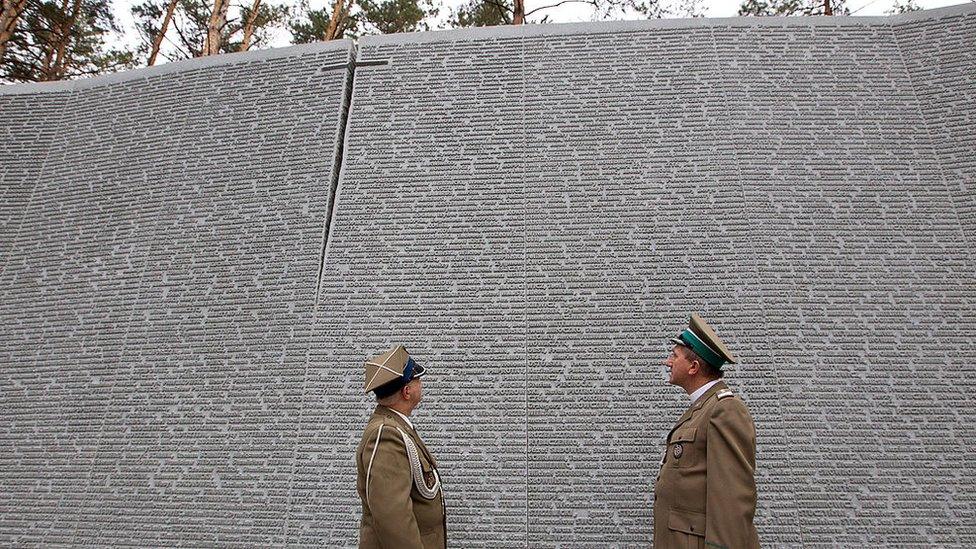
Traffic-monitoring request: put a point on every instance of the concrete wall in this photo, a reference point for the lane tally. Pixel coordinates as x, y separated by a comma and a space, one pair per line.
190, 282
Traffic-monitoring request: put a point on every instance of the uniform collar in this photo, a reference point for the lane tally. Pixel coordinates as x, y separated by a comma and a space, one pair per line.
699, 403
708, 394
390, 412
403, 417
702, 390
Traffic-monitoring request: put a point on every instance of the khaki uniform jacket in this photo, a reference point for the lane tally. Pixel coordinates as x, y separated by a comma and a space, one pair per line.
705, 494
395, 514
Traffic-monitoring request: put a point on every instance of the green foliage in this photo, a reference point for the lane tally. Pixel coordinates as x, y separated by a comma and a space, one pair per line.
268, 18
366, 17
310, 25
148, 18
791, 7
187, 33
56, 41
482, 13
392, 16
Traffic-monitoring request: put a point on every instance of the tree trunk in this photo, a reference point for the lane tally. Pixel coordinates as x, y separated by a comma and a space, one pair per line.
61, 60
337, 12
518, 17
50, 46
827, 10
217, 21
8, 21
340, 29
158, 41
249, 27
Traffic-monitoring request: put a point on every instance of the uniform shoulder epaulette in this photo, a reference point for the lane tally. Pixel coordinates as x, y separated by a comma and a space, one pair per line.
724, 393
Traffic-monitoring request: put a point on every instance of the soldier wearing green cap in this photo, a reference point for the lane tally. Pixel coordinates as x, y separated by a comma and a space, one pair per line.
398, 482
705, 495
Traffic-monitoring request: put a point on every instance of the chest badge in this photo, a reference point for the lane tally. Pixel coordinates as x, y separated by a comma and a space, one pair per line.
677, 451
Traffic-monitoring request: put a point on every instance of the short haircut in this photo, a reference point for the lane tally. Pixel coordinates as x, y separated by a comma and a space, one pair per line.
710, 371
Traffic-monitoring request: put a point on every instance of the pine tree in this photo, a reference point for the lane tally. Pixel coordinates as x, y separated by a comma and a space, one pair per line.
480, 13
793, 7
364, 17
57, 40
186, 32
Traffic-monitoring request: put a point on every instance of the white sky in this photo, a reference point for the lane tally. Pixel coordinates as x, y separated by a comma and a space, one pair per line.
567, 13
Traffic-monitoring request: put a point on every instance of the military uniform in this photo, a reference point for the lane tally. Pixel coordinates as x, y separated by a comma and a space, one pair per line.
400, 511
705, 495
398, 482
706, 489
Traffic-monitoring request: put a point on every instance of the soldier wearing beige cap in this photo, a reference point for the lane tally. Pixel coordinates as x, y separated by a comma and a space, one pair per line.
398, 483
705, 495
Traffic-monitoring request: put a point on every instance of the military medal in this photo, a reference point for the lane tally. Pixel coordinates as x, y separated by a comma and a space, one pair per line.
678, 450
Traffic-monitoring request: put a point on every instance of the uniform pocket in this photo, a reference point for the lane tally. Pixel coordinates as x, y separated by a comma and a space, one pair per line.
681, 449
688, 522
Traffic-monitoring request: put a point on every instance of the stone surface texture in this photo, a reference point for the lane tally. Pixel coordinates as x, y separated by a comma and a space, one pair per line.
196, 258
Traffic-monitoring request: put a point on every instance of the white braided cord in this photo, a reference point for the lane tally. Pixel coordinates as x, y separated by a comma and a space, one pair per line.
427, 492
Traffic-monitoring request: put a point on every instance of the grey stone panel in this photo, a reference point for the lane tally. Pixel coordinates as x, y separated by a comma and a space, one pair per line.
860, 268
939, 55
426, 249
70, 277
532, 211
30, 124
158, 304
635, 220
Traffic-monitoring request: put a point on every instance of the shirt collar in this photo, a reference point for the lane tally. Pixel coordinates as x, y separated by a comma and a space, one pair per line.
405, 418
701, 390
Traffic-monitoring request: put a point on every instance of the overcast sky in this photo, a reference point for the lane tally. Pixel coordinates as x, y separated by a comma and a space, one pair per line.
564, 14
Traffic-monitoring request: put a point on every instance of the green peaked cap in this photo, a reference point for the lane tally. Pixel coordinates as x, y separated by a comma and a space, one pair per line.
702, 339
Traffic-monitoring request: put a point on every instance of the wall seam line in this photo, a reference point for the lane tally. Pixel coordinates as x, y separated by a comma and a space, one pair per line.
525, 282
936, 153
937, 157
38, 182
334, 177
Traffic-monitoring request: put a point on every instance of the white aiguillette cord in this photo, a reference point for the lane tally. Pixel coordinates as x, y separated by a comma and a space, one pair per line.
427, 492
416, 471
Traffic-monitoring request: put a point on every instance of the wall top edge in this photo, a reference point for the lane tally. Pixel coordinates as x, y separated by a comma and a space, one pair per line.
609, 27
482, 33
969, 8
176, 66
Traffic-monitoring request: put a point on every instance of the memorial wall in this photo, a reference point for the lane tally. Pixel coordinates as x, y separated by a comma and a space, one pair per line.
196, 258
